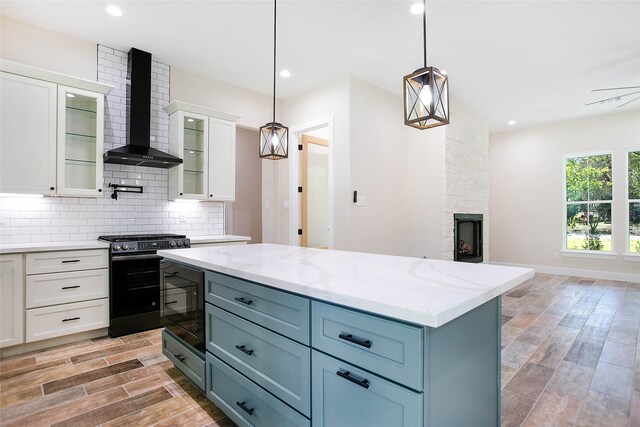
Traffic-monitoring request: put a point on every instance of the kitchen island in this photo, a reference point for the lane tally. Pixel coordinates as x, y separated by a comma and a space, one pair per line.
299, 336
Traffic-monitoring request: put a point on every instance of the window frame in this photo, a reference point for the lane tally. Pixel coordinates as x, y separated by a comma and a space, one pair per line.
627, 252
587, 253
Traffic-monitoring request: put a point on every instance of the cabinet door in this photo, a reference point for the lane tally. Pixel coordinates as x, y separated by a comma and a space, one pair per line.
189, 139
344, 395
11, 300
222, 160
80, 140
27, 135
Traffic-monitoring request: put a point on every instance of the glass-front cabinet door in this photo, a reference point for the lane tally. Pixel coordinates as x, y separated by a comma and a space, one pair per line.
80, 141
192, 174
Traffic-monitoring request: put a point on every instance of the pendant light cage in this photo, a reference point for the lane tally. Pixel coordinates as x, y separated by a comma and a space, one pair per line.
426, 98
274, 139
426, 92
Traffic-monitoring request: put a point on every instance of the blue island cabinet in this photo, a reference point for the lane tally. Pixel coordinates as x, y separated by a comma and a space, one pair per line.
279, 359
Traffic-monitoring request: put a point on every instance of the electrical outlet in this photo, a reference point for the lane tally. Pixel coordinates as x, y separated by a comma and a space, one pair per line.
285, 204
183, 218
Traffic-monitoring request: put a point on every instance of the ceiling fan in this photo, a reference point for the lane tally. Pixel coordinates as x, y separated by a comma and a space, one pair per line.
617, 97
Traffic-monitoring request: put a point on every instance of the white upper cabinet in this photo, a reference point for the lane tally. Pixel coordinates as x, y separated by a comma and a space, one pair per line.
52, 132
80, 138
28, 135
206, 141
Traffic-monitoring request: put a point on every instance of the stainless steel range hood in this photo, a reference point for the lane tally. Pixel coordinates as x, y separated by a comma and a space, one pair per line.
137, 151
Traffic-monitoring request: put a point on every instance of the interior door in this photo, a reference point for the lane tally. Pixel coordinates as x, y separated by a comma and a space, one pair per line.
315, 192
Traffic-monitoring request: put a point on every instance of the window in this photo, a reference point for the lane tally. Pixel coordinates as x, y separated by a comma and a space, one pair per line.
588, 203
633, 195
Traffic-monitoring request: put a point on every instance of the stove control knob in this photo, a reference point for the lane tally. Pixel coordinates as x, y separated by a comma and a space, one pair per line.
116, 248
179, 243
172, 243
187, 243
125, 247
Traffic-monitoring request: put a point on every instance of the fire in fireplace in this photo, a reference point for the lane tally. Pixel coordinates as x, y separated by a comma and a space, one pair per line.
467, 235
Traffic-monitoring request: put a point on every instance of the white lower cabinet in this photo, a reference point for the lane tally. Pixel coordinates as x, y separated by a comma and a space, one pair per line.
11, 300
66, 292
65, 319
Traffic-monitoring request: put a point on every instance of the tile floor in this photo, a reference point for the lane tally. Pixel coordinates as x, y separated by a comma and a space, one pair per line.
570, 357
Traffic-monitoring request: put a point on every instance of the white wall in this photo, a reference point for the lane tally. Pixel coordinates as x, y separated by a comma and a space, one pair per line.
27, 44
526, 182
255, 108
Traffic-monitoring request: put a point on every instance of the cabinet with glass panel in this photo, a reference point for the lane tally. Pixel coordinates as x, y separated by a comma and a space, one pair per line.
205, 140
80, 140
52, 132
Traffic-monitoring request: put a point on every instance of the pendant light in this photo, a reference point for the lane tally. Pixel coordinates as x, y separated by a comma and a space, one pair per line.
274, 137
426, 92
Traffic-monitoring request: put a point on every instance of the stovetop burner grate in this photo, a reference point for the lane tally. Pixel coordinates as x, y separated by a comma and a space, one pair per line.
140, 237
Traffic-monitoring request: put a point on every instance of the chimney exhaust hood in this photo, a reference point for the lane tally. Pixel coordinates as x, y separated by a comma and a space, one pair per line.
137, 151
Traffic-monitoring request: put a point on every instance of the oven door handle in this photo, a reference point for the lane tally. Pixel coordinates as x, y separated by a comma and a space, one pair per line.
134, 257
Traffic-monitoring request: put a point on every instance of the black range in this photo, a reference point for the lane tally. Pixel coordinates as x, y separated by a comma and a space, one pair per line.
134, 280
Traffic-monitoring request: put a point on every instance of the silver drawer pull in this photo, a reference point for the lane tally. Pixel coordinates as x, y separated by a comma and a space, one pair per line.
70, 319
68, 261
71, 287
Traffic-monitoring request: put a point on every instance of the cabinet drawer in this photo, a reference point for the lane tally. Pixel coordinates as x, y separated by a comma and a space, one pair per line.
278, 364
391, 349
66, 319
54, 262
244, 401
344, 395
283, 313
61, 288
184, 359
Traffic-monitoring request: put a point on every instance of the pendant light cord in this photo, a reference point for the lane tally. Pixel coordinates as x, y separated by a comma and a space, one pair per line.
424, 31
274, 60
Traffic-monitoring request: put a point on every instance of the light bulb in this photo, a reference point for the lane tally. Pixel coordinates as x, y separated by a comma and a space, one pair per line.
425, 96
274, 140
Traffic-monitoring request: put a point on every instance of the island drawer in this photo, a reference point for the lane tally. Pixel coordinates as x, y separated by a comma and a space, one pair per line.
71, 286
185, 360
55, 262
65, 319
245, 402
279, 311
389, 348
344, 395
278, 364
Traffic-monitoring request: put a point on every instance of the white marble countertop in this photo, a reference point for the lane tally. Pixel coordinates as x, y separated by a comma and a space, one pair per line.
218, 239
416, 290
15, 248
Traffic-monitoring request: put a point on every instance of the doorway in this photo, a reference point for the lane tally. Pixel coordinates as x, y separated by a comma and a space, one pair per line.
314, 203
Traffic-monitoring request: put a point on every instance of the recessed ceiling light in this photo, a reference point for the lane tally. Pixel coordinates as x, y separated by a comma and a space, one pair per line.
285, 74
189, 120
70, 95
417, 8
511, 122
113, 10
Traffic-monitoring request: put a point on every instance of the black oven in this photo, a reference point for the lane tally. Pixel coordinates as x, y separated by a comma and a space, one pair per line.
134, 280
182, 303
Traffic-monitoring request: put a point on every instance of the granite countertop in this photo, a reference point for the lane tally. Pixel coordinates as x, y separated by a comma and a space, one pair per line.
52, 246
218, 239
421, 291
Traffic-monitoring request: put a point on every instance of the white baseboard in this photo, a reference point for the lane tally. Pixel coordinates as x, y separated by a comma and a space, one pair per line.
578, 272
53, 342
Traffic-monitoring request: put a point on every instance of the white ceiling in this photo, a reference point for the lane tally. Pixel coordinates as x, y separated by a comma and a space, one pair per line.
530, 61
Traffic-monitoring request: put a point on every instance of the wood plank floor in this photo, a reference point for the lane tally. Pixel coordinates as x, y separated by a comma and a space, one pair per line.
570, 357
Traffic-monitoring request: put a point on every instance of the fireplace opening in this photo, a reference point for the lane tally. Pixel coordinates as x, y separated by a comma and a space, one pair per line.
467, 235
